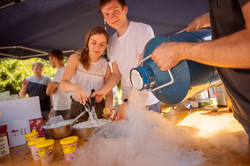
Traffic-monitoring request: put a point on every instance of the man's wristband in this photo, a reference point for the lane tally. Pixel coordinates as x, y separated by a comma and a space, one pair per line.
125, 100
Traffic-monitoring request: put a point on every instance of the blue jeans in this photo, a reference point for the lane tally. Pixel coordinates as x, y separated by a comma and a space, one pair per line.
155, 107
248, 132
45, 115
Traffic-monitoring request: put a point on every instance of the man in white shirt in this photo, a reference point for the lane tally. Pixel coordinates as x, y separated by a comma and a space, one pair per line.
61, 99
124, 50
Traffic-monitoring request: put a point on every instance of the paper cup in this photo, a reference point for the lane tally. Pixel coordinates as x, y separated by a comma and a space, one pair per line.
46, 151
69, 146
31, 136
33, 149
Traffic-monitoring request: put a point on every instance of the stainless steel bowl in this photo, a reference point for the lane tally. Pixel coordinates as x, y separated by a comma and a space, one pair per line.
112, 130
59, 132
84, 133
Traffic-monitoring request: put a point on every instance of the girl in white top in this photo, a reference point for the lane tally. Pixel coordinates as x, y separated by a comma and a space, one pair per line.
86, 70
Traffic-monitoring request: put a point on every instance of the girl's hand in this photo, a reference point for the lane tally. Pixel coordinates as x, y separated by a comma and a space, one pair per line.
107, 113
99, 95
81, 96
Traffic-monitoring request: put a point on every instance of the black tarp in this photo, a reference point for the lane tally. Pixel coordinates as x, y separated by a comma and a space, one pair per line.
36, 26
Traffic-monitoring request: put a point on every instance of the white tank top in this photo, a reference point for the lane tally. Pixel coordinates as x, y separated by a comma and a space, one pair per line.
92, 78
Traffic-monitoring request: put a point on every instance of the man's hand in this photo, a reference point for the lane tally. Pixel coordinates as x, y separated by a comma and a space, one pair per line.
25, 82
167, 55
51, 113
23, 90
120, 112
202, 21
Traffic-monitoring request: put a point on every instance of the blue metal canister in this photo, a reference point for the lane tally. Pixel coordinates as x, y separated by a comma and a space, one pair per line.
184, 80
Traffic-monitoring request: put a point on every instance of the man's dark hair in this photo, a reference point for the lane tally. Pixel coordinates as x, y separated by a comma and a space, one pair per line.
57, 53
104, 2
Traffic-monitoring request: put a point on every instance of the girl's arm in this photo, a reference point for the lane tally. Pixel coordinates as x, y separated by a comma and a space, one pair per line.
66, 84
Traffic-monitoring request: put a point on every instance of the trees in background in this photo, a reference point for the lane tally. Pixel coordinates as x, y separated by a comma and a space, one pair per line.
13, 71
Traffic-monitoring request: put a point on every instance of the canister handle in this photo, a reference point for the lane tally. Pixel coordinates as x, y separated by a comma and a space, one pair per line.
144, 60
164, 85
167, 84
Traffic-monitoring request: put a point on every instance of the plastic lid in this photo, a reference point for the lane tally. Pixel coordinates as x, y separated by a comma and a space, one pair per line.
35, 141
33, 133
136, 79
69, 140
45, 143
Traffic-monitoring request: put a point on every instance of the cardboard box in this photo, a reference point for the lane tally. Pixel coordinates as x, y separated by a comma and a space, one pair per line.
20, 117
4, 145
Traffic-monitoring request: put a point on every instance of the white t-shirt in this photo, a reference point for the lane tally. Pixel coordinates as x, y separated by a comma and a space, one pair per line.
125, 50
61, 99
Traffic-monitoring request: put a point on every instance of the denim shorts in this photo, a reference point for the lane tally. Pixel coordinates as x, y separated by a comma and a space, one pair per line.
155, 107
248, 132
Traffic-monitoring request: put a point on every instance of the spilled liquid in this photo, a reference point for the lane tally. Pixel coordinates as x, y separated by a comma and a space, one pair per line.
93, 120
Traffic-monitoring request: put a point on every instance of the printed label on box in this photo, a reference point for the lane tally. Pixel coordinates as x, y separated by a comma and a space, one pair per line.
3, 129
4, 146
16, 131
38, 125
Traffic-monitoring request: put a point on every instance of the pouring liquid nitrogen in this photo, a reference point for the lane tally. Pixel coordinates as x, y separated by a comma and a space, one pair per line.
183, 81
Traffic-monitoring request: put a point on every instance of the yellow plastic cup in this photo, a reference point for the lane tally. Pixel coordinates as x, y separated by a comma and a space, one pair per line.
46, 151
31, 136
33, 149
69, 145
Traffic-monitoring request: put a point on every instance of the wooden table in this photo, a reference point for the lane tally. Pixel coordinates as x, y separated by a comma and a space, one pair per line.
21, 155
237, 154
230, 145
